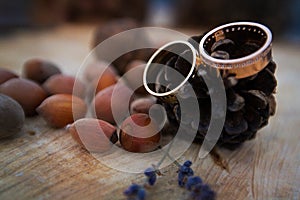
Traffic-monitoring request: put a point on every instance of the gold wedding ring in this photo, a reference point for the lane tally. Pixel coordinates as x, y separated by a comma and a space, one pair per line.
241, 67
245, 66
152, 70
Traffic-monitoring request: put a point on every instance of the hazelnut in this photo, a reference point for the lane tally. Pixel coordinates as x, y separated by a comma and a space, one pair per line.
93, 134
63, 84
62, 109
95, 69
39, 70
139, 134
26, 92
104, 103
142, 105
107, 79
6, 74
12, 116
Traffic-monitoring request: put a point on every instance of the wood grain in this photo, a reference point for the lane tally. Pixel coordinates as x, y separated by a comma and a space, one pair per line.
44, 163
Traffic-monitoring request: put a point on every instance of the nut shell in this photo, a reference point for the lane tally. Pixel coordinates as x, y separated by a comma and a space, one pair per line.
107, 79
139, 134
95, 69
93, 134
6, 74
104, 103
63, 84
26, 92
142, 105
12, 116
62, 109
39, 70
104, 80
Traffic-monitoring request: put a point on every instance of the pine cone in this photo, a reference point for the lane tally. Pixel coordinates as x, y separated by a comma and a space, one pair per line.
250, 101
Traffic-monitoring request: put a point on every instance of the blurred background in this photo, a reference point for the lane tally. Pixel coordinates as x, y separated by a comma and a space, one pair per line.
65, 31
282, 16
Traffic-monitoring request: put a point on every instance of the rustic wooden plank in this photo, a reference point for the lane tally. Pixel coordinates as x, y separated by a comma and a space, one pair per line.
49, 165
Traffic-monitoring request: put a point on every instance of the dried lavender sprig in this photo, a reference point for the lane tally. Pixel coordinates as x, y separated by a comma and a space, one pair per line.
150, 173
135, 192
184, 172
199, 190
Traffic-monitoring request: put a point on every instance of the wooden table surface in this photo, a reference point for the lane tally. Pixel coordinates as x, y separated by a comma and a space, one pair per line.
49, 164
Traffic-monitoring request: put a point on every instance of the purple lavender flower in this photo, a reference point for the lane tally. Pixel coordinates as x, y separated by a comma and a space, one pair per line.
192, 181
184, 172
202, 192
135, 192
151, 175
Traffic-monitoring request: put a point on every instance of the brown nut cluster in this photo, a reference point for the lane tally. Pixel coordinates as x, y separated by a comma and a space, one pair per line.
30, 94
62, 101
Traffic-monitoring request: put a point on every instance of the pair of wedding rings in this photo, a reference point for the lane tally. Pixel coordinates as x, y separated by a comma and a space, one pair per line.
241, 67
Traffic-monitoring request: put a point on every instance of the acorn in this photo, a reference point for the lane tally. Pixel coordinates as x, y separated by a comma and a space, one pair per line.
139, 134
64, 84
93, 134
39, 70
103, 103
26, 92
6, 74
62, 109
12, 116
